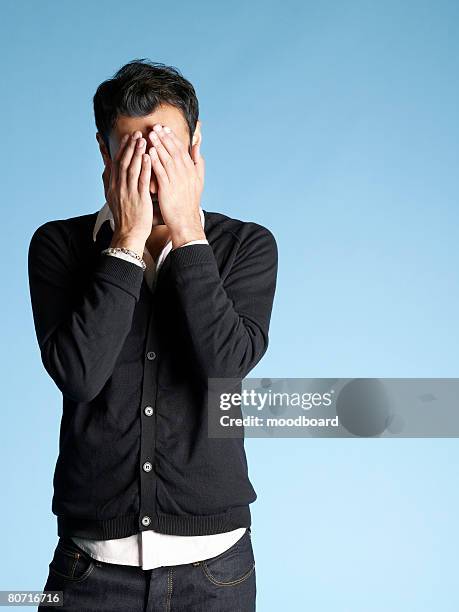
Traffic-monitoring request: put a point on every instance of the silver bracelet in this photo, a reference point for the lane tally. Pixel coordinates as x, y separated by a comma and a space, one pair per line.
127, 251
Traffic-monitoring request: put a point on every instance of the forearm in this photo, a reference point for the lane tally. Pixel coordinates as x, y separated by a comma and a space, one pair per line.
81, 336
226, 344
228, 327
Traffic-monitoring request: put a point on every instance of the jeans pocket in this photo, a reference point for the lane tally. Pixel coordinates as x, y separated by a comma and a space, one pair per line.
232, 566
70, 562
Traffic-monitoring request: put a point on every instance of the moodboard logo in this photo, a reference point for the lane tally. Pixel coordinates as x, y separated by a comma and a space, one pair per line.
333, 407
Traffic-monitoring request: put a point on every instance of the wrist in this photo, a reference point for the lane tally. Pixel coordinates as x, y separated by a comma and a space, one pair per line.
184, 234
133, 243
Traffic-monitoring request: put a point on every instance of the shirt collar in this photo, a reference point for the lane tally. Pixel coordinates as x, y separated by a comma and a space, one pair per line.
105, 214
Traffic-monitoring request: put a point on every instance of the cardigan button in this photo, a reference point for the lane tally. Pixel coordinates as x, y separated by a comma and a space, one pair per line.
147, 466
146, 521
151, 355
148, 410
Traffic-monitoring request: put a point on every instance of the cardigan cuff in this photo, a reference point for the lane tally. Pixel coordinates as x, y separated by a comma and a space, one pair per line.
126, 275
194, 254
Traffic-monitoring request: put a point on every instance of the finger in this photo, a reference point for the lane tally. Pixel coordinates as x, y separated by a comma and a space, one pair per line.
135, 166
159, 170
145, 176
114, 173
172, 140
166, 160
125, 161
169, 143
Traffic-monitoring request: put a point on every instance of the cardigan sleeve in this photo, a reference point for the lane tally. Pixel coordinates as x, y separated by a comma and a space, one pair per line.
80, 334
228, 321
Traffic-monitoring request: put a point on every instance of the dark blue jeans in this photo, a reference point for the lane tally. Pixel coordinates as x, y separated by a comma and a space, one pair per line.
225, 583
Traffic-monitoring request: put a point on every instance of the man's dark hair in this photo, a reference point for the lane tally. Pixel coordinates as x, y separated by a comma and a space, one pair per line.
137, 89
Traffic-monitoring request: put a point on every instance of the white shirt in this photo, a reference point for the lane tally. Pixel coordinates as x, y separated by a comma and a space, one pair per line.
150, 549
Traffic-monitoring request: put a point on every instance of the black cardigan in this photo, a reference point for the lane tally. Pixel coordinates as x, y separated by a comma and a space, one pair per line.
133, 369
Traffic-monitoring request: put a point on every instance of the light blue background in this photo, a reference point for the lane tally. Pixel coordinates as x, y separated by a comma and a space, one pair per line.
335, 124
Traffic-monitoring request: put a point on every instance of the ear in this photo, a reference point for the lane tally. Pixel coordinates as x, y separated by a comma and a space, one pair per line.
197, 137
103, 149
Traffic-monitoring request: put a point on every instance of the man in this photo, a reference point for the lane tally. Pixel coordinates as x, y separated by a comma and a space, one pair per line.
137, 307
